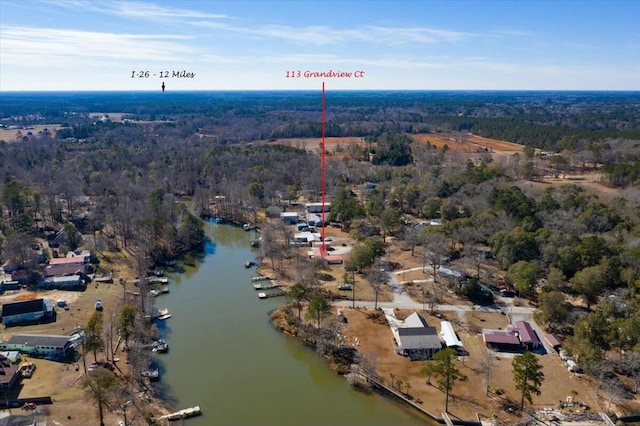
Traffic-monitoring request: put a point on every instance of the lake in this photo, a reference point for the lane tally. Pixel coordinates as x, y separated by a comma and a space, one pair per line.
227, 358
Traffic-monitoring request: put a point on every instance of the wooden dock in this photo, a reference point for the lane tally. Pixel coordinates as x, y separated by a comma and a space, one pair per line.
259, 278
276, 293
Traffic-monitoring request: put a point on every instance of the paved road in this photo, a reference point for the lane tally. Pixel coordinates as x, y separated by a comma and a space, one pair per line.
402, 300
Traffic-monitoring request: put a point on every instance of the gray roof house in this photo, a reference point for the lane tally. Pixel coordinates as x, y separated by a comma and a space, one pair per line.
417, 339
43, 345
37, 310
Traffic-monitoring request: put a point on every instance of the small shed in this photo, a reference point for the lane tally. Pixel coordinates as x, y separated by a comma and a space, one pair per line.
553, 341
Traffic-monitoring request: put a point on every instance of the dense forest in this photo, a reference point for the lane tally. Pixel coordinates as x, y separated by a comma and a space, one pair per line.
563, 246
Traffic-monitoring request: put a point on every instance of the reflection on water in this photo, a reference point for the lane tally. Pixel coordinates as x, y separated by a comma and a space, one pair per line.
225, 356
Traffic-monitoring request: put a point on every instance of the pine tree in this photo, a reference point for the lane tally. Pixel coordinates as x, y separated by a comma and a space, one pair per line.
527, 375
446, 372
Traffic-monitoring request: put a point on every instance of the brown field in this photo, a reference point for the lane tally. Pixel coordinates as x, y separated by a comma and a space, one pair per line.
9, 135
467, 142
315, 144
464, 143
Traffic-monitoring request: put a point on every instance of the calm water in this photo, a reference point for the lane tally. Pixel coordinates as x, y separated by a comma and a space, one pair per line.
225, 356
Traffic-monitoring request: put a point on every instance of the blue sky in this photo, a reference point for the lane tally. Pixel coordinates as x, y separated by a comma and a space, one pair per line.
230, 45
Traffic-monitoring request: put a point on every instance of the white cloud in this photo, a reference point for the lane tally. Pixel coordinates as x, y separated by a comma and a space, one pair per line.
54, 47
135, 9
510, 33
321, 35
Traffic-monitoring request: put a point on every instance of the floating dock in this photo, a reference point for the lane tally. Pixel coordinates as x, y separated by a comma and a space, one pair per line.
276, 293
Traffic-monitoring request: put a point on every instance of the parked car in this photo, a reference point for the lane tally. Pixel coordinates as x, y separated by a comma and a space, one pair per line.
98, 305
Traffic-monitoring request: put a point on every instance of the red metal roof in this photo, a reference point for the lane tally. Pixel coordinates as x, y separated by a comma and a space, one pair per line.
500, 337
67, 260
527, 335
553, 341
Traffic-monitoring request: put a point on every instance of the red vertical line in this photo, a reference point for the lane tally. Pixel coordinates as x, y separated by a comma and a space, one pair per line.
323, 249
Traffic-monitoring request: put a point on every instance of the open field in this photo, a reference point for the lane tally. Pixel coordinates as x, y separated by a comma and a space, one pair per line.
9, 135
455, 142
315, 144
113, 116
466, 142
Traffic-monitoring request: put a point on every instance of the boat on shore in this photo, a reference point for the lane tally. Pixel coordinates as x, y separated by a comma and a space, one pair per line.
153, 374
276, 293
162, 314
160, 346
266, 286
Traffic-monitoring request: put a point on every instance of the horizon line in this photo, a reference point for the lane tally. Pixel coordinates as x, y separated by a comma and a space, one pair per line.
316, 90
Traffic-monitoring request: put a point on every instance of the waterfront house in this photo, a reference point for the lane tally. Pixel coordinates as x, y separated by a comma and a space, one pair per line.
306, 238
43, 345
290, 218
315, 220
66, 266
416, 339
317, 207
69, 282
37, 310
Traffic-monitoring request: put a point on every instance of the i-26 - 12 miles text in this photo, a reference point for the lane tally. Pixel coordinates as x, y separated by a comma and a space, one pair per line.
162, 74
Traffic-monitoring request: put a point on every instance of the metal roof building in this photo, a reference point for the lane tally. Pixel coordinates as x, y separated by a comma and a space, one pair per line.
42, 345
416, 339
449, 336
28, 311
